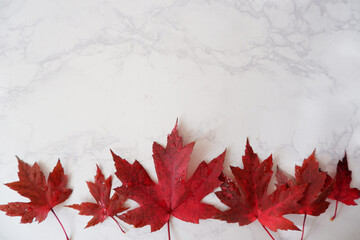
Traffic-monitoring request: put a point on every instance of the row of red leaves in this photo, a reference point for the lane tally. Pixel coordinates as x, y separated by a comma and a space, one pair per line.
246, 196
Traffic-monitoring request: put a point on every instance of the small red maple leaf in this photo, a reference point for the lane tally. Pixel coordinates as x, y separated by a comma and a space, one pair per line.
341, 190
172, 195
44, 195
248, 199
105, 206
314, 200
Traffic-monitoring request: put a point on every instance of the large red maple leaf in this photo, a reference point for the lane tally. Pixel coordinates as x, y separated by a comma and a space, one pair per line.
105, 206
44, 195
314, 200
248, 199
173, 194
341, 190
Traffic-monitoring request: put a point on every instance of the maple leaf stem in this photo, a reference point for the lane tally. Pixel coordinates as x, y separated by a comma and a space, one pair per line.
303, 228
336, 206
268, 232
67, 238
168, 227
118, 224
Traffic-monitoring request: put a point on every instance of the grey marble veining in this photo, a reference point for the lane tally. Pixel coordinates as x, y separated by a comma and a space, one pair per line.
80, 77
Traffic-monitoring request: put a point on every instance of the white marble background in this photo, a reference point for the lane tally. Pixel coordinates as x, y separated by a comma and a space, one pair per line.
80, 77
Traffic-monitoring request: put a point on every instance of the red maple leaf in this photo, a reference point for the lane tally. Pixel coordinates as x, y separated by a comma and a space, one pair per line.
341, 190
314, 200
248, 199
44, 195
105, 206
172, 195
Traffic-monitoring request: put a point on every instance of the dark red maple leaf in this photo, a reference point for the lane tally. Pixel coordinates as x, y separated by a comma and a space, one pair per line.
44, 195
314, 200
172, 195
105, 206
248, 199
341, 191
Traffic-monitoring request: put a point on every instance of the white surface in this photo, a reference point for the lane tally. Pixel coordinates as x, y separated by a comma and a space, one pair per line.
80, 77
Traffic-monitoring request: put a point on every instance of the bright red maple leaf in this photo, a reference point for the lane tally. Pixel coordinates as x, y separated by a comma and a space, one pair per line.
341, 190
314, 200
105, 206
248, 199
44, 195
173, 194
